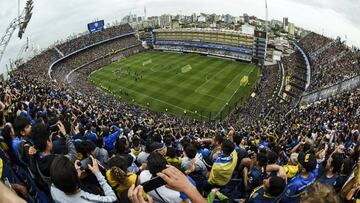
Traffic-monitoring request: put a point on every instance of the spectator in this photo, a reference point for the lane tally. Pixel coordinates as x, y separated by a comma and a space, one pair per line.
270, 191
333, 166
157, 163
216, 143
223, 166
172, 157
22, 145
175, 179
117, 175
320, 193
89, 134
345, 172
101, 153
136, 147
308, 171
43, 143
66, 183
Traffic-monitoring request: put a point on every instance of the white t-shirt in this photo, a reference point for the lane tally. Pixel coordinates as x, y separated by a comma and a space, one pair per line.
142, 157
199, 165
169, 195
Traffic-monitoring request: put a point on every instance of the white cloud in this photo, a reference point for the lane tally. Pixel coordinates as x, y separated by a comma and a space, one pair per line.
54, 20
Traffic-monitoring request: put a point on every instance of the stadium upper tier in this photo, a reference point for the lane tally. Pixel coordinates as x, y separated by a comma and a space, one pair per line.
232, 38
232, 44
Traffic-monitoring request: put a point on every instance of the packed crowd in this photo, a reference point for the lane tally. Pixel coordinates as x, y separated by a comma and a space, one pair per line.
60, 145
70, 63
332, 60
313, 42
89, 39
295, 74
259, 104
51, 140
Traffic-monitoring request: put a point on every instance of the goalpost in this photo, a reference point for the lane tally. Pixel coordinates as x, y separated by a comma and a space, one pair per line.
244, 81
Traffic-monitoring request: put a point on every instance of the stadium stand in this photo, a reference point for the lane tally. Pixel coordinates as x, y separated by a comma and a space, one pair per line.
223, 43
332, 60
295, 73
66, 141
89, 39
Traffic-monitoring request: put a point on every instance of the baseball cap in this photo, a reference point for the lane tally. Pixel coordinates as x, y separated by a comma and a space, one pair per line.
308, 161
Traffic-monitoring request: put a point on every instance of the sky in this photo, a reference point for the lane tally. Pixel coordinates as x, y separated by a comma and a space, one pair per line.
56, 20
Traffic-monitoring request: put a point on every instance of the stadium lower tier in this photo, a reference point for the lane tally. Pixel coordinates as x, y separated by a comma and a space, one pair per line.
205, 48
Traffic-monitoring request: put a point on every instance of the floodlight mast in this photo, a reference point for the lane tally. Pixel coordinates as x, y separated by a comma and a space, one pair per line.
266, 17
21, 22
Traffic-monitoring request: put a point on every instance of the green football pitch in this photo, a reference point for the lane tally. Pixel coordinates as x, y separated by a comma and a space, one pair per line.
181, 84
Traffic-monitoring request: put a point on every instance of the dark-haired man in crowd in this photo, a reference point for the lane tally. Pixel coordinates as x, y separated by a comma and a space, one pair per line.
332, 169
269, 192
216, 143
44, 144
22, 146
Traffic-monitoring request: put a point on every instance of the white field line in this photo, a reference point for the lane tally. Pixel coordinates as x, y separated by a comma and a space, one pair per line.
161, 101
231, 97
227, 102
235, 77
196, 90
218, 98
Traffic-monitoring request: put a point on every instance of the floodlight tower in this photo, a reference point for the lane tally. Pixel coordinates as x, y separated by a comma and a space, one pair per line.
145, 13
266, 17
21, 21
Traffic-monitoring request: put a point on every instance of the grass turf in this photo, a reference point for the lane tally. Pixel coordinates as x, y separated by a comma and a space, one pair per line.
203, 87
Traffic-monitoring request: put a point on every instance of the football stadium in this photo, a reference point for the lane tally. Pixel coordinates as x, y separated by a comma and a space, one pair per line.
177, 108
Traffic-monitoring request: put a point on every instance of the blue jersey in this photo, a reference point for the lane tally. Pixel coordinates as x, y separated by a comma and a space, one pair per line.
259, 196
110, 140
298, 185
15, 145
328, 181
256, 177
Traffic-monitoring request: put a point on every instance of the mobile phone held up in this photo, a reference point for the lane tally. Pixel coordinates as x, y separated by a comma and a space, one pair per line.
153, 184
84, 163
53, 128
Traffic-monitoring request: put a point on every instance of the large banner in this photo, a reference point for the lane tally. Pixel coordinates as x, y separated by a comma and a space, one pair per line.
96, 26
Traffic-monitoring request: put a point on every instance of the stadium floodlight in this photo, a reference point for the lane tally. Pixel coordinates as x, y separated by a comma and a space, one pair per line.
21, 21
26, 19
